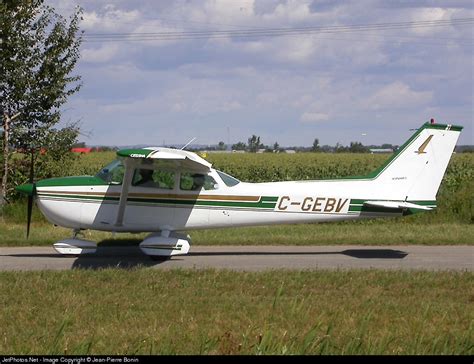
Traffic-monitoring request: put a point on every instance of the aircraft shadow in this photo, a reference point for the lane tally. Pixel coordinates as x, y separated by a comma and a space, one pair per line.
130, 256
355, 253
112, 256
108, 256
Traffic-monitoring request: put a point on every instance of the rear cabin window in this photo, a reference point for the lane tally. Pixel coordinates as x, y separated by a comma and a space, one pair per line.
153, 179
197, 182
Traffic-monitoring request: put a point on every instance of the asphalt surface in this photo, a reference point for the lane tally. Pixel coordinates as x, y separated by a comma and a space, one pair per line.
251, 258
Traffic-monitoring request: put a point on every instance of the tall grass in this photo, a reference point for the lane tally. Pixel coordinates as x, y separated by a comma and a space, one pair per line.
144, 311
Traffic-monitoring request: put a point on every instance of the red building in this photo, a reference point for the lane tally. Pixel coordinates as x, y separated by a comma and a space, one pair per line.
82, 150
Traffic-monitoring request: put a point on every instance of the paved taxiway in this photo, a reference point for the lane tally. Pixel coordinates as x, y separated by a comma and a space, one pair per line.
251, 258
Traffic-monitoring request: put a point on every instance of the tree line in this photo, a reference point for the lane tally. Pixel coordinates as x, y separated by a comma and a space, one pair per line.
254, 145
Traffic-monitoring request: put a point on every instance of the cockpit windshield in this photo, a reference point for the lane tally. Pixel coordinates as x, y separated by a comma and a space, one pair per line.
112, 173
228, 180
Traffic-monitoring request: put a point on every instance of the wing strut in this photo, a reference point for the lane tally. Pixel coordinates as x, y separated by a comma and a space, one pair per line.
127, 181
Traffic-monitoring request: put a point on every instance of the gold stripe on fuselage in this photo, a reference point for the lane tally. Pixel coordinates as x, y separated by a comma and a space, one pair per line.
156, 195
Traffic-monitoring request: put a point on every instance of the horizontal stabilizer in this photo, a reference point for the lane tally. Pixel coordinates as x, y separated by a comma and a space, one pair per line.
396, 205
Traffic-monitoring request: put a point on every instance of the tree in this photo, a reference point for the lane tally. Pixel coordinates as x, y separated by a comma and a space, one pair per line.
221, 146
39, 50
276, 147
254, 143
79, 145
315, 147
339, 148
239, 146
357, 147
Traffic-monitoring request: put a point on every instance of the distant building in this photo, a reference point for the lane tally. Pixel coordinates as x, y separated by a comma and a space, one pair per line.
290, 151
82, 150
219, 151
378, 150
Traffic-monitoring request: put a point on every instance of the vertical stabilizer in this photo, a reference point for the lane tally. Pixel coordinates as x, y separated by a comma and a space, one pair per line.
415, 171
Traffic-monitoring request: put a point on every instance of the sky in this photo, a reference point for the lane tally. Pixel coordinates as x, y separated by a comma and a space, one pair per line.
336, 84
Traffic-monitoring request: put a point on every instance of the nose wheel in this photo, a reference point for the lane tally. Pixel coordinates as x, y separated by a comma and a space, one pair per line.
159, 258
75, 245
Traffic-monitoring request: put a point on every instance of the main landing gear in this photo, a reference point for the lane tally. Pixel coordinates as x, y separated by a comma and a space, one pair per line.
164, 245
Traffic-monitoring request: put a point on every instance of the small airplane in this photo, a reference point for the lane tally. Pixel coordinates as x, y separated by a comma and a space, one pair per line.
167, 191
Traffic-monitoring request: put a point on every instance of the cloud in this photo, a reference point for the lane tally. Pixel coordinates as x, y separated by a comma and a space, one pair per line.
104, 53
431, 14
314, 117
109, 18
398, 95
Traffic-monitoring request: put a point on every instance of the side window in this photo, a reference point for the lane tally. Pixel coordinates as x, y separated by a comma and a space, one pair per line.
112, 173
117, 174
153, 178
196, 182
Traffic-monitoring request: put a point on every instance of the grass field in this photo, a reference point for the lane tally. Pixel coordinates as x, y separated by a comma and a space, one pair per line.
143, 311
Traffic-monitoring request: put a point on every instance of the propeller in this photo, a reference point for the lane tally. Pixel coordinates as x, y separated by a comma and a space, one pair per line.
30, 209
30, 196
29, 189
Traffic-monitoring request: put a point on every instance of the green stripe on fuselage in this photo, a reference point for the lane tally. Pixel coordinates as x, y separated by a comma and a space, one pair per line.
265, 201
71, 182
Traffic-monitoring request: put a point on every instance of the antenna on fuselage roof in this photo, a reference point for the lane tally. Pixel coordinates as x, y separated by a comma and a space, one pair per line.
192, 140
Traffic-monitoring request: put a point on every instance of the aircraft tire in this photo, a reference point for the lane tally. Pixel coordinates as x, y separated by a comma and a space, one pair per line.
160, 258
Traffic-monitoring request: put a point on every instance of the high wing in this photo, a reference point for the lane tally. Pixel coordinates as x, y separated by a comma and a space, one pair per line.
174, 158
396, 205
163, 157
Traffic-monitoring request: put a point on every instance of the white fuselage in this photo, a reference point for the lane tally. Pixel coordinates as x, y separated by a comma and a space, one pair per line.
246, 204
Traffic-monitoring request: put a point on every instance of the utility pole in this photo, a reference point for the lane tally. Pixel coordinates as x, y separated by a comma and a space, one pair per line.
6, 139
